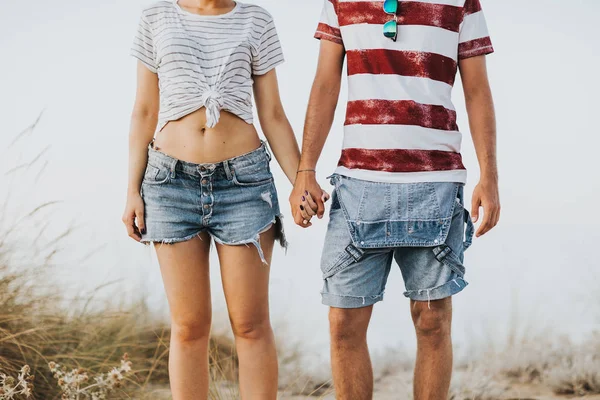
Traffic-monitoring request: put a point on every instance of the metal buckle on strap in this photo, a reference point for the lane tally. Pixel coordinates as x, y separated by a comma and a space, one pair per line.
355, 252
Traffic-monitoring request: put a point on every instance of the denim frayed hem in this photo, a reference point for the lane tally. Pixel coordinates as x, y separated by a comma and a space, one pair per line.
277, 224
172, 241
448, 289
340, 301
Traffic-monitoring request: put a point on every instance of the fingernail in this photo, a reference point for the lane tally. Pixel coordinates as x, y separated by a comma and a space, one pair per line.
306, 192
474, 219
301, 207
303, 198
305, 222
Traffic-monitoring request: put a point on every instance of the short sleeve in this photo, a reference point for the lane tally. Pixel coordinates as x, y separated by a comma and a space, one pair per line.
329, 28
143, 45
474, 38
269, 53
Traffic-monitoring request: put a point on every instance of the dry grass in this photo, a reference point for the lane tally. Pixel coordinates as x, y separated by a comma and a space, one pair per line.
476, 382
566, 368
41, 322
35, 330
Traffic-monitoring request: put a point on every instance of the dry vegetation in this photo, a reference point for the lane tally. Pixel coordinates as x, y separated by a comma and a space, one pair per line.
40, 324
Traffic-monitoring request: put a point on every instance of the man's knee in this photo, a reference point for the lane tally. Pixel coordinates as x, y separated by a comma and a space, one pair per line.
349, 325
432, 319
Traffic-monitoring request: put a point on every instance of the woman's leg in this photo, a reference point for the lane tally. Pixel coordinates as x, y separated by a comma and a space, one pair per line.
185, 272
246, 285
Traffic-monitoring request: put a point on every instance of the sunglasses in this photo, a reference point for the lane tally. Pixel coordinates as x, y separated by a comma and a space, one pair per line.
390, 29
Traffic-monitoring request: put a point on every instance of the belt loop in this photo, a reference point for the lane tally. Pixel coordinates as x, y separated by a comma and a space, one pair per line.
173, 167
267, 150
228, 173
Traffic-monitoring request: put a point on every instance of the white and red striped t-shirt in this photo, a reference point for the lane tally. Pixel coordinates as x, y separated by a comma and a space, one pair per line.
400, 121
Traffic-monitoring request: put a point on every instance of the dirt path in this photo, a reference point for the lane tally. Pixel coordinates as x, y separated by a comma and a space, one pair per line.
398, 388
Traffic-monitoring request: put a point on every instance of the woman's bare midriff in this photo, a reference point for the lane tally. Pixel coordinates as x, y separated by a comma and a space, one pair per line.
188, 139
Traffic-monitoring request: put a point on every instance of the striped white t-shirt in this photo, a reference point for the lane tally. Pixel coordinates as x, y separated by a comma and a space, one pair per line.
206, 60
400, 121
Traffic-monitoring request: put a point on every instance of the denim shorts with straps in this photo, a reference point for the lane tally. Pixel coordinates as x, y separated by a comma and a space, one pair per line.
234, 201
423, 226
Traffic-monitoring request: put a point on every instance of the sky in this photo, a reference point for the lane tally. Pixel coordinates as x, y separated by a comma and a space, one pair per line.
537, 269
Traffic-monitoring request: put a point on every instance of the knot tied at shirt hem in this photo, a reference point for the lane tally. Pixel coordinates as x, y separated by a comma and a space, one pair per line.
213, 101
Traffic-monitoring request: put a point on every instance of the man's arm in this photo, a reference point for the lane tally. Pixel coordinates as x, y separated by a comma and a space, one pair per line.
482, 121
319, 118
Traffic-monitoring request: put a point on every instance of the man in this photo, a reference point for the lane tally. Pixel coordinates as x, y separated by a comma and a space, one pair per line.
399, 182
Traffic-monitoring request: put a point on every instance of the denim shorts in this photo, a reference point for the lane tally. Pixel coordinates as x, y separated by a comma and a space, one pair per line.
234, 201
424, 227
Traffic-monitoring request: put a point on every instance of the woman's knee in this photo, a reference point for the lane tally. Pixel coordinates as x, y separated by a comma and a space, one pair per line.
251, 329
191, 330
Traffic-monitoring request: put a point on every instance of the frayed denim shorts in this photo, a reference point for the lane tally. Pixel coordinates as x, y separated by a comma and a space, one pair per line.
424, 227
234, 201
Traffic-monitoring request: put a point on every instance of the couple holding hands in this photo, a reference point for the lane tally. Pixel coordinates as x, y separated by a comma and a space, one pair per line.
198, 172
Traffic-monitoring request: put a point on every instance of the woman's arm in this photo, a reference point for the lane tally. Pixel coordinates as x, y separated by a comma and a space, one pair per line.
143, 124
275, 124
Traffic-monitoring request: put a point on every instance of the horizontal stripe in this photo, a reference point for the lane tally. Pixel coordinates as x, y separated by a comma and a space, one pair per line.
410, 37
401, 160
397, 87
400, 137
409, 13
328, 30
473, 27
405, 63
477, 47
456, 3
194, 54
471, 7
324, 36
459, 176
401, 112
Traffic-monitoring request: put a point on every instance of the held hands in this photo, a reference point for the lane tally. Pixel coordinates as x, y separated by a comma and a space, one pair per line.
133, 217
486, 195
307, 199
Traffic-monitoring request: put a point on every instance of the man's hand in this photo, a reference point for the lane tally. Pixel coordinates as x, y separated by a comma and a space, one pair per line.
486, 195
307, 199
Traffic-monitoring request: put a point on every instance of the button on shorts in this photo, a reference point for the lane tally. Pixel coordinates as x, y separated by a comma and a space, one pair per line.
234, 201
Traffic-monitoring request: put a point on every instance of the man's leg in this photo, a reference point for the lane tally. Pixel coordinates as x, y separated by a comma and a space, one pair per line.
433, 368
350, 360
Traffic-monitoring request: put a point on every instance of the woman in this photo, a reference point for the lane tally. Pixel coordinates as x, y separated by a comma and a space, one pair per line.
206, 175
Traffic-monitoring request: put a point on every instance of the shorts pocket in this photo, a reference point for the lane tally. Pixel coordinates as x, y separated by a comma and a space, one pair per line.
252, 175
155, 175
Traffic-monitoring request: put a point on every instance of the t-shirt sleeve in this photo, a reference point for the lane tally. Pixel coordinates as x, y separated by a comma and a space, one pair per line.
269, 53
329, 27
474, 38
142, 47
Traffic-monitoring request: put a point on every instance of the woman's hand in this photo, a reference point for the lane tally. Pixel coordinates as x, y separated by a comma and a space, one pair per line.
133, 217
307, 199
